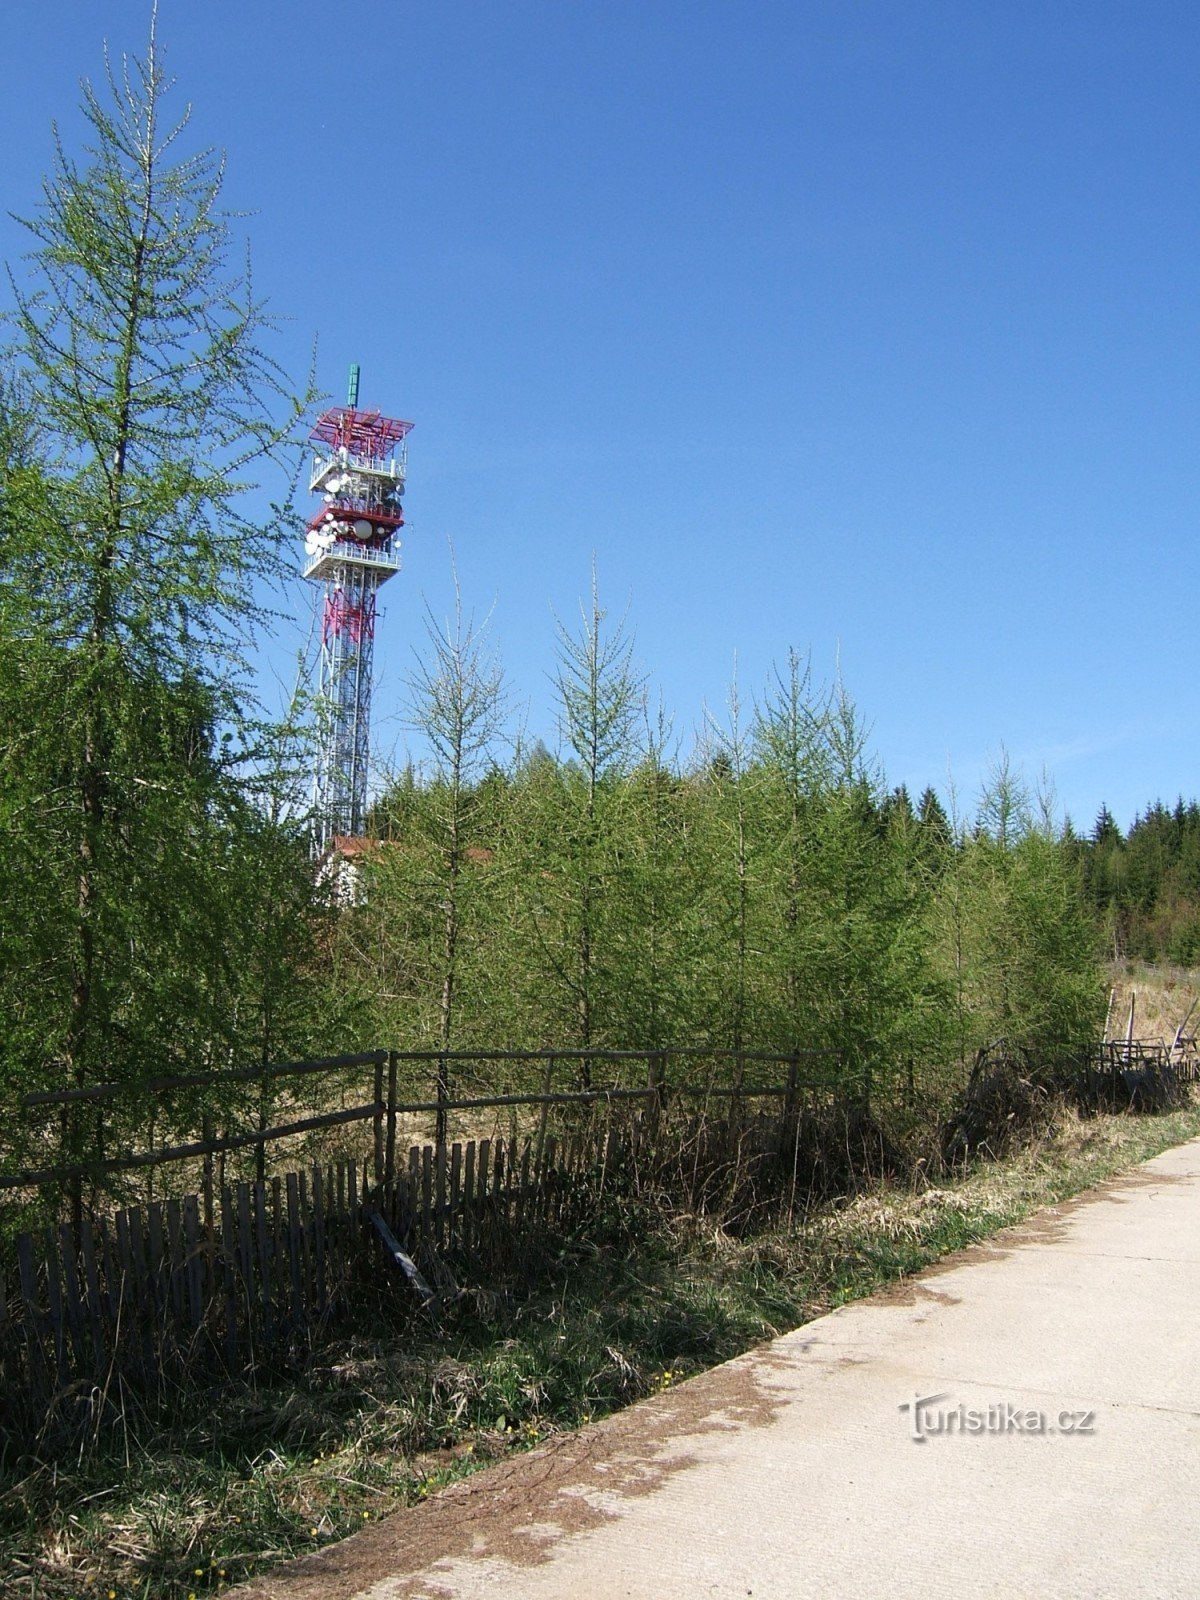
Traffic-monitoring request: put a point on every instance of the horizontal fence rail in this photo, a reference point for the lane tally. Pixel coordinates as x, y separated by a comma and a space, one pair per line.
203, 1080
446, 1097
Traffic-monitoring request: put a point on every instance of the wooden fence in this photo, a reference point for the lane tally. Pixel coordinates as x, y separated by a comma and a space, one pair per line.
248, 1271
452, 1087
154, 1296
244, 1271
1136, 1073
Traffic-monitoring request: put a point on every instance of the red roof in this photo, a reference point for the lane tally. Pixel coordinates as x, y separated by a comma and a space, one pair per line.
362, 433
350, 845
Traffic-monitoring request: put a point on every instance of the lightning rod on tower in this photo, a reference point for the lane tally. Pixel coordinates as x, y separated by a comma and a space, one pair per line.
352, 546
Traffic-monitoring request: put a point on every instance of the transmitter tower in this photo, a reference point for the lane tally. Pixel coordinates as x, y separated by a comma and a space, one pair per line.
352, 546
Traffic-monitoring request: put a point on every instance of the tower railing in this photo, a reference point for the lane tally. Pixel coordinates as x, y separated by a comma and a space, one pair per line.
342, 461
349, 553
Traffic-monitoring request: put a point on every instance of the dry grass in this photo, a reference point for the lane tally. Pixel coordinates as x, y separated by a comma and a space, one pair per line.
1069, 1153
1162, 998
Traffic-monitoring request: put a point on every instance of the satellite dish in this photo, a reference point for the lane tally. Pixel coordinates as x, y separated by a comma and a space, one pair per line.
363, 528
312, 544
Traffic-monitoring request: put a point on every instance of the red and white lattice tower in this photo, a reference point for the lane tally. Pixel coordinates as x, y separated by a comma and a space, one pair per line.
352, 546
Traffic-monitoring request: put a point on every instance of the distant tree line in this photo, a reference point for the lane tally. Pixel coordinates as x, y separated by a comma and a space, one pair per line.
1144, 886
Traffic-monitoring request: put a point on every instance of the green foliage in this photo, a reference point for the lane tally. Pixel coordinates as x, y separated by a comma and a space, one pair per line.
139, 353
579, 819
155, 910
1144, 887
770, 895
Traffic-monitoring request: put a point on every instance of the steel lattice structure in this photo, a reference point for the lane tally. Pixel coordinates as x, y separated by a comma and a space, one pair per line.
353, 546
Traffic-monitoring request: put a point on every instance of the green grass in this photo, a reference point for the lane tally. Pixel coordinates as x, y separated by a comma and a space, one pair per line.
185, 1503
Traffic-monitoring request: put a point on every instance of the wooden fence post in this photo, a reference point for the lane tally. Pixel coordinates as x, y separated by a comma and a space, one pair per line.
380, 1108
789, 1103
656, 1065
72, 1155
150, 1142
264, 1122
443, 1095
207, 1135
791, 1124
547, 1086
389, 1162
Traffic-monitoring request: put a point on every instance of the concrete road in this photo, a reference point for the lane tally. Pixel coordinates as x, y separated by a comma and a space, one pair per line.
1055, 1450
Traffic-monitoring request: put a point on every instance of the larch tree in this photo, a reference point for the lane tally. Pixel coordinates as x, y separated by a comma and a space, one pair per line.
729, 852
457, 702
791, 756
600, 701
130, 572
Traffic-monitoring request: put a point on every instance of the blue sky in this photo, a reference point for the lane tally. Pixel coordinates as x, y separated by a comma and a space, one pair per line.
865, 328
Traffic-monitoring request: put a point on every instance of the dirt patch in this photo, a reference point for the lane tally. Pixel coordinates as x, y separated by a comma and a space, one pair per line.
1047, 1226
1044, 1227
518, 1510
915, 1290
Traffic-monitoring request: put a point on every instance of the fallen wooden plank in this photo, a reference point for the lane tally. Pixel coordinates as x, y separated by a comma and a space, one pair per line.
404, 1261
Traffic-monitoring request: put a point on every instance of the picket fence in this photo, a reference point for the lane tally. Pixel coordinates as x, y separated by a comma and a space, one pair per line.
161, 1295
248, 1273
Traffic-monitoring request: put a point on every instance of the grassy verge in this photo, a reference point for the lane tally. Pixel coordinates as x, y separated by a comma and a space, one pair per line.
185, 1504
